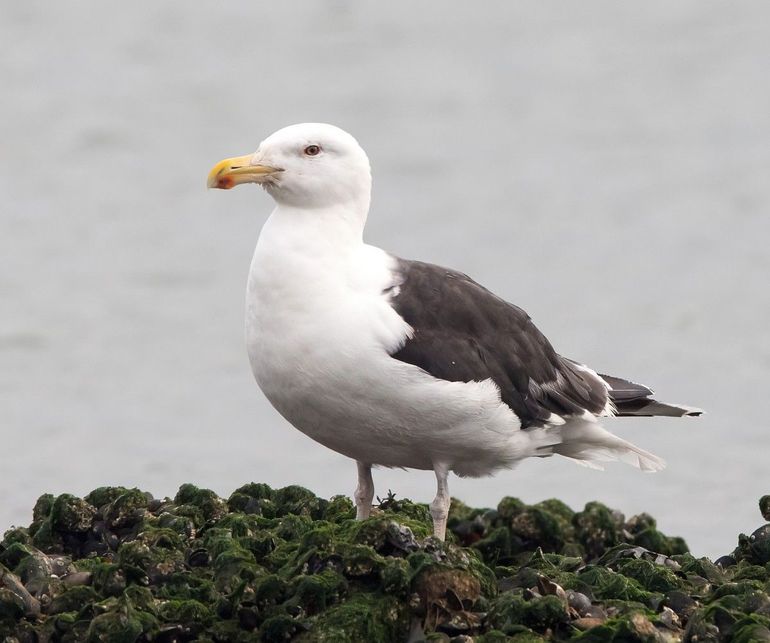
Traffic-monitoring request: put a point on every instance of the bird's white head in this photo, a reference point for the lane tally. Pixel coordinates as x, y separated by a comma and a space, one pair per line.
310, 165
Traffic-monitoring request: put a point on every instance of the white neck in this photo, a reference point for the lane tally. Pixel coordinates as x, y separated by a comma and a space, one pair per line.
302, 257
316, 232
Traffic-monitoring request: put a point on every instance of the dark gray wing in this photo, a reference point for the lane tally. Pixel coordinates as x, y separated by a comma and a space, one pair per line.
632, 399
463, 332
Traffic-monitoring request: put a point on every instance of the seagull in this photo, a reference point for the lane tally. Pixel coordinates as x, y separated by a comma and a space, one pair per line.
400, 363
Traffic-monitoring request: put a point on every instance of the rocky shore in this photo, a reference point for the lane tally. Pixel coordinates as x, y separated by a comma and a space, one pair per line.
284, 565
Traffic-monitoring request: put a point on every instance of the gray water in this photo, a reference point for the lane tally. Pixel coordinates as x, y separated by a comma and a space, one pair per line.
603, 165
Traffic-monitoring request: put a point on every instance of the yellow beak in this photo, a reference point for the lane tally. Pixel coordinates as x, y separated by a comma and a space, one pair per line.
231, 172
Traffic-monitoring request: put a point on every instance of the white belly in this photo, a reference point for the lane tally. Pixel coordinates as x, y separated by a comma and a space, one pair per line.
319, 337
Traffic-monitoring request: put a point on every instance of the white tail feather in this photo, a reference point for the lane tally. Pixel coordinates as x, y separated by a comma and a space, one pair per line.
586, 442
588, 464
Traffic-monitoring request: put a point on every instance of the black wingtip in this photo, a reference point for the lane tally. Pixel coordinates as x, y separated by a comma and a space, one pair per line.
647, 407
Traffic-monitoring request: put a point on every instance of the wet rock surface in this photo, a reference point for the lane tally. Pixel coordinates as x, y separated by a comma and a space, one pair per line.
285, 565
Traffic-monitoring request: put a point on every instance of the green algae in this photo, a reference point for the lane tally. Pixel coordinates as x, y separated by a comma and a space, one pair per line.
283, 564
71, 515
363, 618
651, 577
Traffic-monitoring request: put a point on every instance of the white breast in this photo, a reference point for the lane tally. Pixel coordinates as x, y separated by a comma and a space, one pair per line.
320, 331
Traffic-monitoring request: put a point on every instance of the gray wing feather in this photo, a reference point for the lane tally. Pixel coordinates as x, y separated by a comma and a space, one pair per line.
463, 332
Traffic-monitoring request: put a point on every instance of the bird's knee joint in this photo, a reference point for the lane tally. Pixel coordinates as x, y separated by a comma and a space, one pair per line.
439, 507
363, 494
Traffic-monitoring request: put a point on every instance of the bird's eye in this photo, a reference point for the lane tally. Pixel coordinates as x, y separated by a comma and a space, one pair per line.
312, 150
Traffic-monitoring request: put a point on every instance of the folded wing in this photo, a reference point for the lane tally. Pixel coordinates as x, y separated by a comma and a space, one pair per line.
463, 332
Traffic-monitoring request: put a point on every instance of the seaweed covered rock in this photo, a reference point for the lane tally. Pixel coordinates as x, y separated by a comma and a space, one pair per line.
285, 565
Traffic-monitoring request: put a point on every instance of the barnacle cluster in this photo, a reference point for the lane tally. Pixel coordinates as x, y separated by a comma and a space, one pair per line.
285, 565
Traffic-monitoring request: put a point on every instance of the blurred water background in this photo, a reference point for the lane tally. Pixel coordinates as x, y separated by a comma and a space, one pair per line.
603, 165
